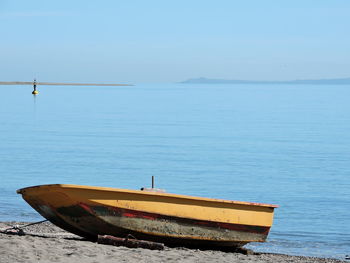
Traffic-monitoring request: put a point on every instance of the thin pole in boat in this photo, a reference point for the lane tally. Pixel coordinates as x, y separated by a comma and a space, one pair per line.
152, 181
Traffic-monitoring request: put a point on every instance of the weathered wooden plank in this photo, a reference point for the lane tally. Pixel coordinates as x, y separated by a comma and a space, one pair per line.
129, 242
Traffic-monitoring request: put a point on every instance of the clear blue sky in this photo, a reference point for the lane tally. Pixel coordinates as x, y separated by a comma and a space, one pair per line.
168, 41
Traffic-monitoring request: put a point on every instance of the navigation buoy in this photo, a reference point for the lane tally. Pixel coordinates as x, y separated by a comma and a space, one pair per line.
35, 92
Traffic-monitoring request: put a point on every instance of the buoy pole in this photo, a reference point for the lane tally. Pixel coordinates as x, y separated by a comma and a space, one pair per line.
35, 92
152, 181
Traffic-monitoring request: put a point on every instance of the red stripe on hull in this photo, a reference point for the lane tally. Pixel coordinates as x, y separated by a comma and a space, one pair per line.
122, 212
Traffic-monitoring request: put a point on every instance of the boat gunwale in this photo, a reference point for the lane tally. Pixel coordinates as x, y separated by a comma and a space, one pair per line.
140, 192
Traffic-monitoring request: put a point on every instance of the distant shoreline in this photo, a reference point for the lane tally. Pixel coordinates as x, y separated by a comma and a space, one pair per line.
340, 81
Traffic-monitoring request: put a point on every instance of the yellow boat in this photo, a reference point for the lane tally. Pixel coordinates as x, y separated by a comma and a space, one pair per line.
175, 220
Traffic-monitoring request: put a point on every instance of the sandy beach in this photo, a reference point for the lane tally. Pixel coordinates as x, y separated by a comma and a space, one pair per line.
47, 243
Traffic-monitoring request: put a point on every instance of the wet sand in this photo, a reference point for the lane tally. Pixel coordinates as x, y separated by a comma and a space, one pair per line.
47, 243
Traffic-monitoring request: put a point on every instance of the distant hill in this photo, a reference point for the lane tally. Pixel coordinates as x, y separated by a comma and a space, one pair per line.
343, 81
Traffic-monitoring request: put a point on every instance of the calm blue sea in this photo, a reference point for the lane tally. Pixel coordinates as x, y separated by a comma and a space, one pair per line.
282, 144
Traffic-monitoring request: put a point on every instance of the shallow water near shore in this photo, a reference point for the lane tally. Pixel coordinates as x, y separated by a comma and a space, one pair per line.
282, 144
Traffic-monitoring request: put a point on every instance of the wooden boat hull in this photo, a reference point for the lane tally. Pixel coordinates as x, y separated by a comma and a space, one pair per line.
175, 220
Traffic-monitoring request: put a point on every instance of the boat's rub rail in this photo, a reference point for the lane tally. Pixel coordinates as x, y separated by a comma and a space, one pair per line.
96, 188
